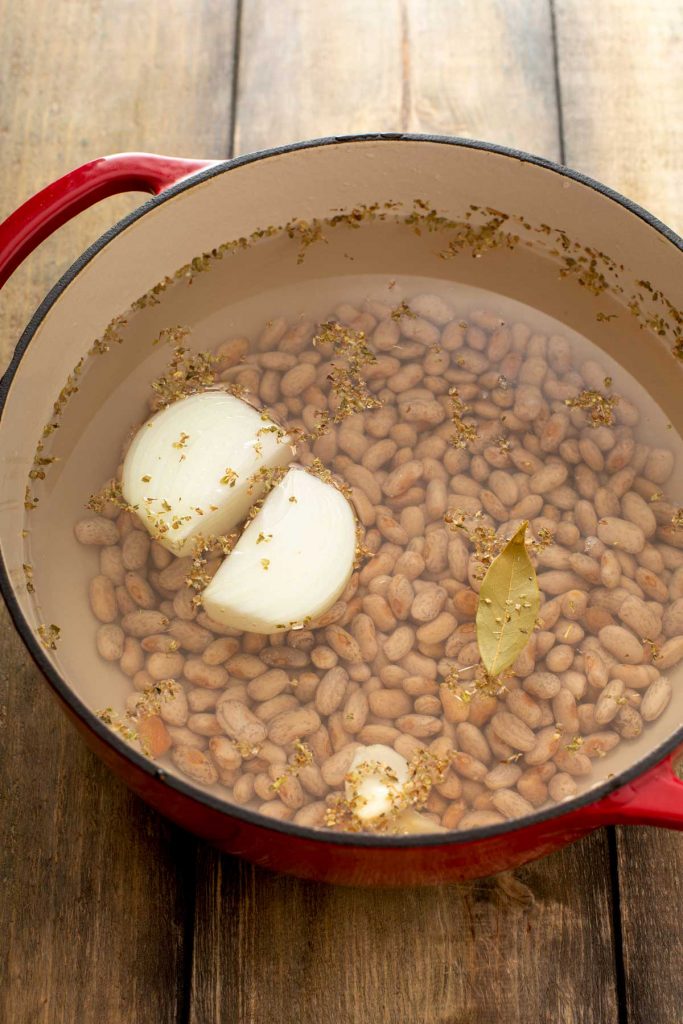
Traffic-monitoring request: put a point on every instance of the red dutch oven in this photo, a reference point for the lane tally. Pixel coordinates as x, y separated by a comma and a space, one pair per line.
196, 206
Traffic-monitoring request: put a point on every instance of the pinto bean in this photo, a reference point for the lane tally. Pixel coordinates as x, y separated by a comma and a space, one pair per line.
372, 668
194, 763
622, 644
103, 598
513, 731
96, 531
619, 533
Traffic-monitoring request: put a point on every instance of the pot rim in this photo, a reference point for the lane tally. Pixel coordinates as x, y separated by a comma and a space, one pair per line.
187, 789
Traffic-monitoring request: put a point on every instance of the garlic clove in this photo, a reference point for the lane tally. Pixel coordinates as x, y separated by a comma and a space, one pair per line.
189, 469
291, 563
375, 781
375, 788
410, 822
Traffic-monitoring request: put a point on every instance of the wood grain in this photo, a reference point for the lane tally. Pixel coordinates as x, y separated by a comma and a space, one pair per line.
97, 907
483, 70
94, 885
96, 889
651, 902
526, 949
305, 72
86, 78
621, 82
472, 68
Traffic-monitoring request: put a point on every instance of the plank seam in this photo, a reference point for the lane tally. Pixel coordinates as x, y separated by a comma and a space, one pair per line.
557, 80
234, 85
406, 94
189, 878
617, 931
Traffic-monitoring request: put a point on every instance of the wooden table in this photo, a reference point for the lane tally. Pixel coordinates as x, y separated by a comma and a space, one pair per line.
108, 914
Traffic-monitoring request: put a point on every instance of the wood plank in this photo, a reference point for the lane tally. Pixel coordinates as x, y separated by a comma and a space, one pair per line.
621, 83
483, 71
650, 872
304, 71
93, 79
397, 65
97, 889
537, 947
94, 898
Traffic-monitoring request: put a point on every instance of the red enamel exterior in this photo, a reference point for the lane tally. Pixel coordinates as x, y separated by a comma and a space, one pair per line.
655, 798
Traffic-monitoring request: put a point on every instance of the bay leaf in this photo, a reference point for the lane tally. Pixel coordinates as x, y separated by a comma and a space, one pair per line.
509, 601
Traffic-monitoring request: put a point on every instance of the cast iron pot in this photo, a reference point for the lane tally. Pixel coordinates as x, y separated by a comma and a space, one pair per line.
196, 206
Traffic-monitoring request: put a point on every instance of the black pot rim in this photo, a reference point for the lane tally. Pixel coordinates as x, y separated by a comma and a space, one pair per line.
64, 691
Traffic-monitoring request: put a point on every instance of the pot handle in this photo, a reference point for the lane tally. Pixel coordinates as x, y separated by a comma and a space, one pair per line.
69, 195
656, 798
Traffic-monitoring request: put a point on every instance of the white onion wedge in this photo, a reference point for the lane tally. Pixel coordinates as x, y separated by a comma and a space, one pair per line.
189, 469
292, 561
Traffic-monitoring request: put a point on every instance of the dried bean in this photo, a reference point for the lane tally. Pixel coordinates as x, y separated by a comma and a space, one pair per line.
194, 763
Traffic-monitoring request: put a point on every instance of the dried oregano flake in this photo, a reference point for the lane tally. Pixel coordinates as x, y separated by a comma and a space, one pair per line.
464, 433
28, 576
600, 407
482, 537
152, 697
302, 756
110, 718
188, 372
49, 635
230, 477
403, 309
112, 494
346, 377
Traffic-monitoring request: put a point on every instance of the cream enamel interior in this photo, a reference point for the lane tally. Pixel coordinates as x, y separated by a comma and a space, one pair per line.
300, 183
